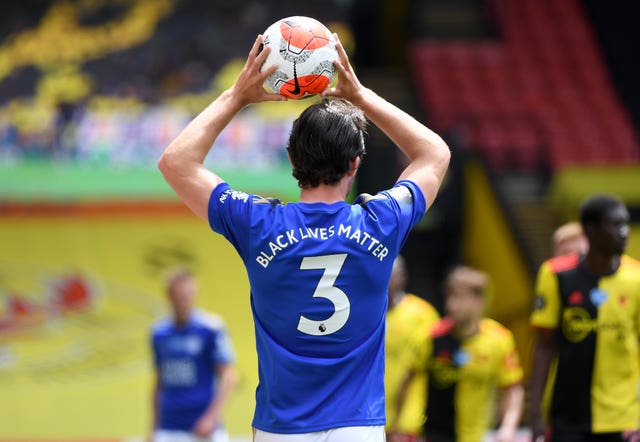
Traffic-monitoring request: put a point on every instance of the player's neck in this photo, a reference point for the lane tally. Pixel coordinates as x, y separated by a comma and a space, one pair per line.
329, 193
182, 319
466, 329
602, 263
324, 193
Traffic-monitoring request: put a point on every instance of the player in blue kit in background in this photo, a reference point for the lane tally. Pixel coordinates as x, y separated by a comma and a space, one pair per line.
194, 358
318, 268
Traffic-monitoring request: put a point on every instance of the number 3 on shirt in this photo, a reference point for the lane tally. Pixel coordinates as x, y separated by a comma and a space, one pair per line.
332, 264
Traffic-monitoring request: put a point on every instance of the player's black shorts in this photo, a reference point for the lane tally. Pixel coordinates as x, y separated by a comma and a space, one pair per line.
435, 436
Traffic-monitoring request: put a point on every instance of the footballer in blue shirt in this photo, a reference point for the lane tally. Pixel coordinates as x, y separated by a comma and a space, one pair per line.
318, 268
193, 359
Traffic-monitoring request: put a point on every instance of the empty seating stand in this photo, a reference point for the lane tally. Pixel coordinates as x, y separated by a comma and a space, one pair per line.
540, 96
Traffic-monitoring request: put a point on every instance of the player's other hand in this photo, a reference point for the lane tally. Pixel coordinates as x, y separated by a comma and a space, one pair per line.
394, 437
348, 85
506, 435
204, 426
248, 87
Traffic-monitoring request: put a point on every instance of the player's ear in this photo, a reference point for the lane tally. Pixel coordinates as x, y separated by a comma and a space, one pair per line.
289, 156
353, 166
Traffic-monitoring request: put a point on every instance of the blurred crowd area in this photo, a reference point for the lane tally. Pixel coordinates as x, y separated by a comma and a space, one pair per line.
113, 81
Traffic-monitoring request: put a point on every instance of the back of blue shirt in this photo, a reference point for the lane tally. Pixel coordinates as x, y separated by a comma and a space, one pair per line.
319, 275
186, 358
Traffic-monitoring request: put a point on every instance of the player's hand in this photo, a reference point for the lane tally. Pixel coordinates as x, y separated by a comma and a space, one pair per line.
204, 426
248, 87
348, 86
394, 437
505, 435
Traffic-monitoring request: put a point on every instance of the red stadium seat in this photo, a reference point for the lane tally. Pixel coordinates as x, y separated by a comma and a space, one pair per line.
544, 87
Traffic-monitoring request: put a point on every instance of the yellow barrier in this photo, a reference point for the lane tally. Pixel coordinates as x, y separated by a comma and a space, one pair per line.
572, 185
489, 245
81, 293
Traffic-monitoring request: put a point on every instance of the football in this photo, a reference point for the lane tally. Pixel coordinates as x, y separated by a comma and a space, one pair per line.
304, 50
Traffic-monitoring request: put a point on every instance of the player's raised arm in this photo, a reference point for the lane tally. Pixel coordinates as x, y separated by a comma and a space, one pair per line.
181, 163
427, 152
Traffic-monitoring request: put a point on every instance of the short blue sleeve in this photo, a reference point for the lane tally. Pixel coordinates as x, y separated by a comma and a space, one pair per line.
410, 206
417, 206
230, 215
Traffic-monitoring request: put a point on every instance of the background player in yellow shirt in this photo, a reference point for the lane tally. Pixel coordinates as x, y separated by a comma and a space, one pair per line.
587, 316
409, 317
467, 358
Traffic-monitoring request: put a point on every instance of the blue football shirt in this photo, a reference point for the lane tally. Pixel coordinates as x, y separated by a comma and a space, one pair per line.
318, 274
186, 358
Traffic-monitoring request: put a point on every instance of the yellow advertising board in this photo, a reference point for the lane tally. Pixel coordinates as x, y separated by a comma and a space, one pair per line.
79, 291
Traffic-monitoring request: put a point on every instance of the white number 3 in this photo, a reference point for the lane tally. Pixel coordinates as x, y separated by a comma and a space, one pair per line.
332, 264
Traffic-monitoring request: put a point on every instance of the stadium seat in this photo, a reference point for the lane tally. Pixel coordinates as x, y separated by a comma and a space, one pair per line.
545, 86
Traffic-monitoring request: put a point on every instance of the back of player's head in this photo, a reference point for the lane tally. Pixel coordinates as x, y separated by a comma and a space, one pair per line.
594, 209
324, 140
467, 278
